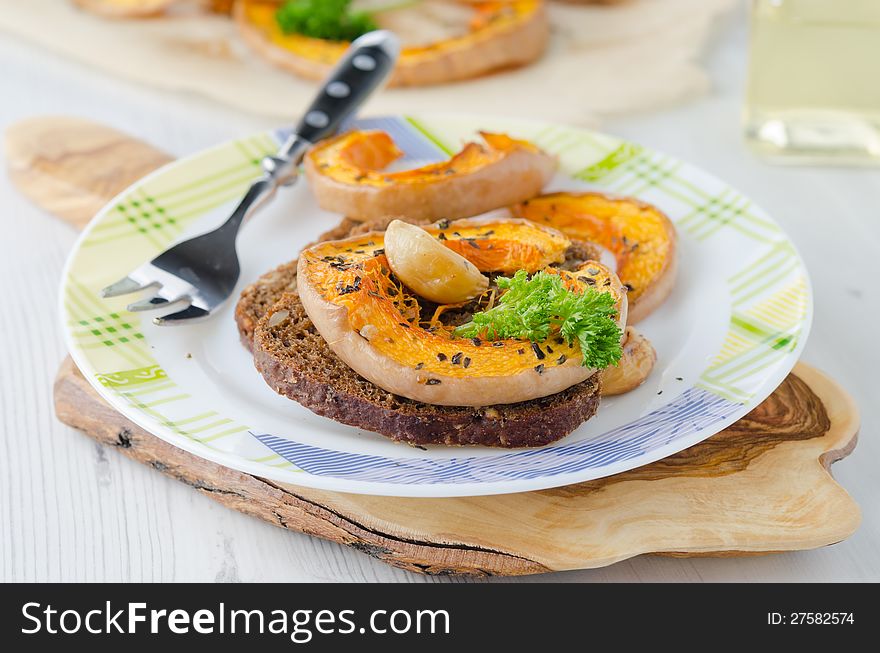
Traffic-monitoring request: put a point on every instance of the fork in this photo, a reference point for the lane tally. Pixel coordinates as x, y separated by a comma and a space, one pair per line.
197, 275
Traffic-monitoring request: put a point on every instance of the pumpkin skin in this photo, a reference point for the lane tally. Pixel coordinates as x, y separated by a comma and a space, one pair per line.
634, 368
373, 324
126, 8
500, 35
639, 235
346, 176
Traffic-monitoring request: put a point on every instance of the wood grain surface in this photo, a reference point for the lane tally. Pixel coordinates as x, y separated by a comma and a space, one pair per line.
761, 485
71, 167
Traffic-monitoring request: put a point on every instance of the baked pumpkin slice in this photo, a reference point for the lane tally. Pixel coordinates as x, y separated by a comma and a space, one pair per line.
634, 367
498, 35
126, 8
639, 235
297, 363
380, 329
346, 174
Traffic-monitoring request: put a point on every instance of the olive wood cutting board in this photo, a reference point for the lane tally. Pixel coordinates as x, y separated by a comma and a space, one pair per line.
762, 485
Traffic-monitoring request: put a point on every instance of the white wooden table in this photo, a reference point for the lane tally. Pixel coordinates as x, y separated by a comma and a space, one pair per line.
70, 510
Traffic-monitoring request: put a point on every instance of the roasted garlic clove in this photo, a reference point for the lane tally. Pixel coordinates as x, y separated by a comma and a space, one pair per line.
428, 268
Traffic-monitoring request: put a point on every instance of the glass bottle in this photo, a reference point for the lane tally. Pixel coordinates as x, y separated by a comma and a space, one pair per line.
813, 91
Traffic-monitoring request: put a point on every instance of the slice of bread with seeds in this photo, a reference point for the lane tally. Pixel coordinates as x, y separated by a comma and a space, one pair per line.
296, 362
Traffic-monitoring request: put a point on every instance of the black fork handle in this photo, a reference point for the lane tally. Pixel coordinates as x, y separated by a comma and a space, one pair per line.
364, 67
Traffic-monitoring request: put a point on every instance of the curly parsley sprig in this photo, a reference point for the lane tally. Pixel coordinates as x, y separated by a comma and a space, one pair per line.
324, 19
534, 308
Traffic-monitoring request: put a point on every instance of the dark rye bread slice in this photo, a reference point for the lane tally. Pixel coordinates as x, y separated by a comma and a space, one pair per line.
260, 296
296, 362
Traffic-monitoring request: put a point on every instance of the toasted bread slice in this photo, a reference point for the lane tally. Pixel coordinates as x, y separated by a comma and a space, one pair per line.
297, 363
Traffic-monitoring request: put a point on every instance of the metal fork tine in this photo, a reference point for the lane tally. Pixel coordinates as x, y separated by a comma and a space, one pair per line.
187, 315
204, 270
159, 301
125, 286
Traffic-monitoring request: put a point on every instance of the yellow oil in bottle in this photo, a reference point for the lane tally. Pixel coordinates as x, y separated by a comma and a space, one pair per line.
814, 80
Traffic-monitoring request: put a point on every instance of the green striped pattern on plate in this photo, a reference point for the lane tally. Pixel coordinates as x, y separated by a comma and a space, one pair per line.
760, 307
143, 221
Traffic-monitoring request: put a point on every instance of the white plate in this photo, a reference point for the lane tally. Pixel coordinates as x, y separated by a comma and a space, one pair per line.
728, 335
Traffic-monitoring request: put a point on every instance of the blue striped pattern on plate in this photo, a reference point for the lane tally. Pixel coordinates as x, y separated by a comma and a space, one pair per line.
693, 411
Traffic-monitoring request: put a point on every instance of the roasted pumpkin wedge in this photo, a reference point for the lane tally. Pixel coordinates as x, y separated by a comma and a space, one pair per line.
641, 238
126, 8
634, 367
378, 327
499, 35
346, 175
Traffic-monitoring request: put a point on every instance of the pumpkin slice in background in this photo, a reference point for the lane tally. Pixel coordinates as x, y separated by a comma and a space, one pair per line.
347, 176
432, 21
495, 35
151, 8
639, 235
220, 6
126, 8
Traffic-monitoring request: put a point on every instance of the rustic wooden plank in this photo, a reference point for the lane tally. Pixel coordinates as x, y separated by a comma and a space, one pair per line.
300, 509
760, 486
72, 167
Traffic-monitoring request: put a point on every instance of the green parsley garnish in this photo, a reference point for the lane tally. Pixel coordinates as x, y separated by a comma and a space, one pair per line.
535, 308
323, 19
